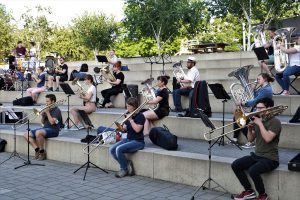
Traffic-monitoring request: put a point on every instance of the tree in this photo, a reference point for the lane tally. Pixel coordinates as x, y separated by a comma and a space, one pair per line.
254, 11
95, 31
5, 32
164, 20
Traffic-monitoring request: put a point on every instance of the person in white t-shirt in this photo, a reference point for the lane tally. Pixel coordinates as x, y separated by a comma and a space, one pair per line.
89, 101
293, 68
113, 59
190, 79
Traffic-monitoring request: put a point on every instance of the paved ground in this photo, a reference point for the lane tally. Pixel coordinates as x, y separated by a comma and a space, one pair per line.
56, 180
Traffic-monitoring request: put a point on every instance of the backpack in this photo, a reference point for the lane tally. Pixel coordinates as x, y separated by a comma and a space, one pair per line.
162, 137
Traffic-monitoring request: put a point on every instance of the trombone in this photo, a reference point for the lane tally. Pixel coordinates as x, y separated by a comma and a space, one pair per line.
36, 113
242, 118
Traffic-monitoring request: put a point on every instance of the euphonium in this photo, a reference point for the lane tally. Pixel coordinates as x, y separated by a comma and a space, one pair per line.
241, 118
281, 59
107, 74
260, 37
80, 88
179, 74
148, 93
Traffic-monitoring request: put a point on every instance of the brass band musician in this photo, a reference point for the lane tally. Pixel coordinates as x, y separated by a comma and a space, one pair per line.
52, 121
60, 75
89, 99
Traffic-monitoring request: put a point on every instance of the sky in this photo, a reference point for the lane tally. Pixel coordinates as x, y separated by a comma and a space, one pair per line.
64, 10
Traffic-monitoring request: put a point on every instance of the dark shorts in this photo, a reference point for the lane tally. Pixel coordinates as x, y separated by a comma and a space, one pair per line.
49, 132
61, 78
161, 113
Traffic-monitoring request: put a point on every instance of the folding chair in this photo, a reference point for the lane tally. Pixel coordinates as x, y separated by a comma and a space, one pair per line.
294, 79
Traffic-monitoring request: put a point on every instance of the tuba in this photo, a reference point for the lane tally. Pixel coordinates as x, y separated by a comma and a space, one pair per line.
148, 93
260, 37
179, 73
281, 59
242, 92
107, 74
241, 118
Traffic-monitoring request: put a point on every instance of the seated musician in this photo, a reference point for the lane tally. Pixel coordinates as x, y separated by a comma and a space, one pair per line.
39, 78
293, 67
89, 99
191, 77
116, 86
84, 68
265, 159
162, 99
52, 121
135, 139
60, 75
269, 46
263, 90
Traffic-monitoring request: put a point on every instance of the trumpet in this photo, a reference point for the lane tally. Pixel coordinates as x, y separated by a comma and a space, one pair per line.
80, 88
242, 118
36, 113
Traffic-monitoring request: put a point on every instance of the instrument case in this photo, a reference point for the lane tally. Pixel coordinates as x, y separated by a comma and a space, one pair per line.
294, 164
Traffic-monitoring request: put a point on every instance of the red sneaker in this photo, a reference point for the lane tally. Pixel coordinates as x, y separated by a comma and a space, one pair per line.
250, 194
262, 197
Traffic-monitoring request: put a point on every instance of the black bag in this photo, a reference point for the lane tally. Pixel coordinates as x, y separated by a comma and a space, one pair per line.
25, 101
294, 164
200, 99
2, 144
161, 136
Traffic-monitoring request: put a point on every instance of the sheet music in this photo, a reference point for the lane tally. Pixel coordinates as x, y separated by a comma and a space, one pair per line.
9, 111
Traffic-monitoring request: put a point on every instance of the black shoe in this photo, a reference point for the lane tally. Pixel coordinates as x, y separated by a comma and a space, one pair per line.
177, 110
50, 89
294, 121
57, 90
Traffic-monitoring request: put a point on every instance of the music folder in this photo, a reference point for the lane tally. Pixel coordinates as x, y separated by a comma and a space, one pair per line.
101, 58
261, 53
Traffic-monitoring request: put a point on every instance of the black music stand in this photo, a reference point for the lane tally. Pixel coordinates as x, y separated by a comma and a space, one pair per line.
88, 125
164, 59
208, 181
28, 162
101, 59
68, 91
151, 60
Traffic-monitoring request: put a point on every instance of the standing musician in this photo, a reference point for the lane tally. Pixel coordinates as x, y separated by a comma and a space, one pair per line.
191, 77
293, 67
134, 141
116, 86
20, 51
52, 121
264, 90
60, 75
265, 159
162, 99
269, 46
89, 99
40, 80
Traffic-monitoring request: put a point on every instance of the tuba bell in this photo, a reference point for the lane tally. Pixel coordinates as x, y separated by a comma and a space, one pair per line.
107, 74
281, 59
82, 92
260, 37
148, 93
179, 73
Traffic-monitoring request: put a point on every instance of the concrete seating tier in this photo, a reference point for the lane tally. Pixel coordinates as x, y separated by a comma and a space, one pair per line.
175, 166
179, 126
291, 101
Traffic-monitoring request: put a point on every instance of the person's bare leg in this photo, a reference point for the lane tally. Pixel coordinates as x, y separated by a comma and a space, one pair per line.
31, 140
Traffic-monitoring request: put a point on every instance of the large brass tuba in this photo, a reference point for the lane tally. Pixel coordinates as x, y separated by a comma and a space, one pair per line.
241, 118
148, 93
242, 92
107, 74
260, 37
283, 37
80, 88
179, 73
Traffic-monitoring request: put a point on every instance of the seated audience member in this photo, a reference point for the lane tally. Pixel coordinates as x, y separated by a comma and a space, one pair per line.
134, 127
52, 121
266, 157
296, 117
40, 87
191, 77
116, 86
113, 59
162, 99
264, 90
89, 99
269, 46
60, 75
79, 74
293, 68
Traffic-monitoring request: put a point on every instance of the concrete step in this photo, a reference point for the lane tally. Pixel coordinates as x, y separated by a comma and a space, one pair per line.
179, 126
176, 166
291, 101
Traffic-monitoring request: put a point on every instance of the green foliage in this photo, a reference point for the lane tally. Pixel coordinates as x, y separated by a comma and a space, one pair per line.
95, 31
6, 30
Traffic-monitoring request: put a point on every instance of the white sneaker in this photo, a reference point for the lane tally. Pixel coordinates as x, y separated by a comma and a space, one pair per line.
249, 145
80, 127
73, 128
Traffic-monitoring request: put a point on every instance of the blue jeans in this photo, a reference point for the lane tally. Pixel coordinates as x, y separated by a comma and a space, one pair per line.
177, 96
100, 129
283, 78
119, 149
